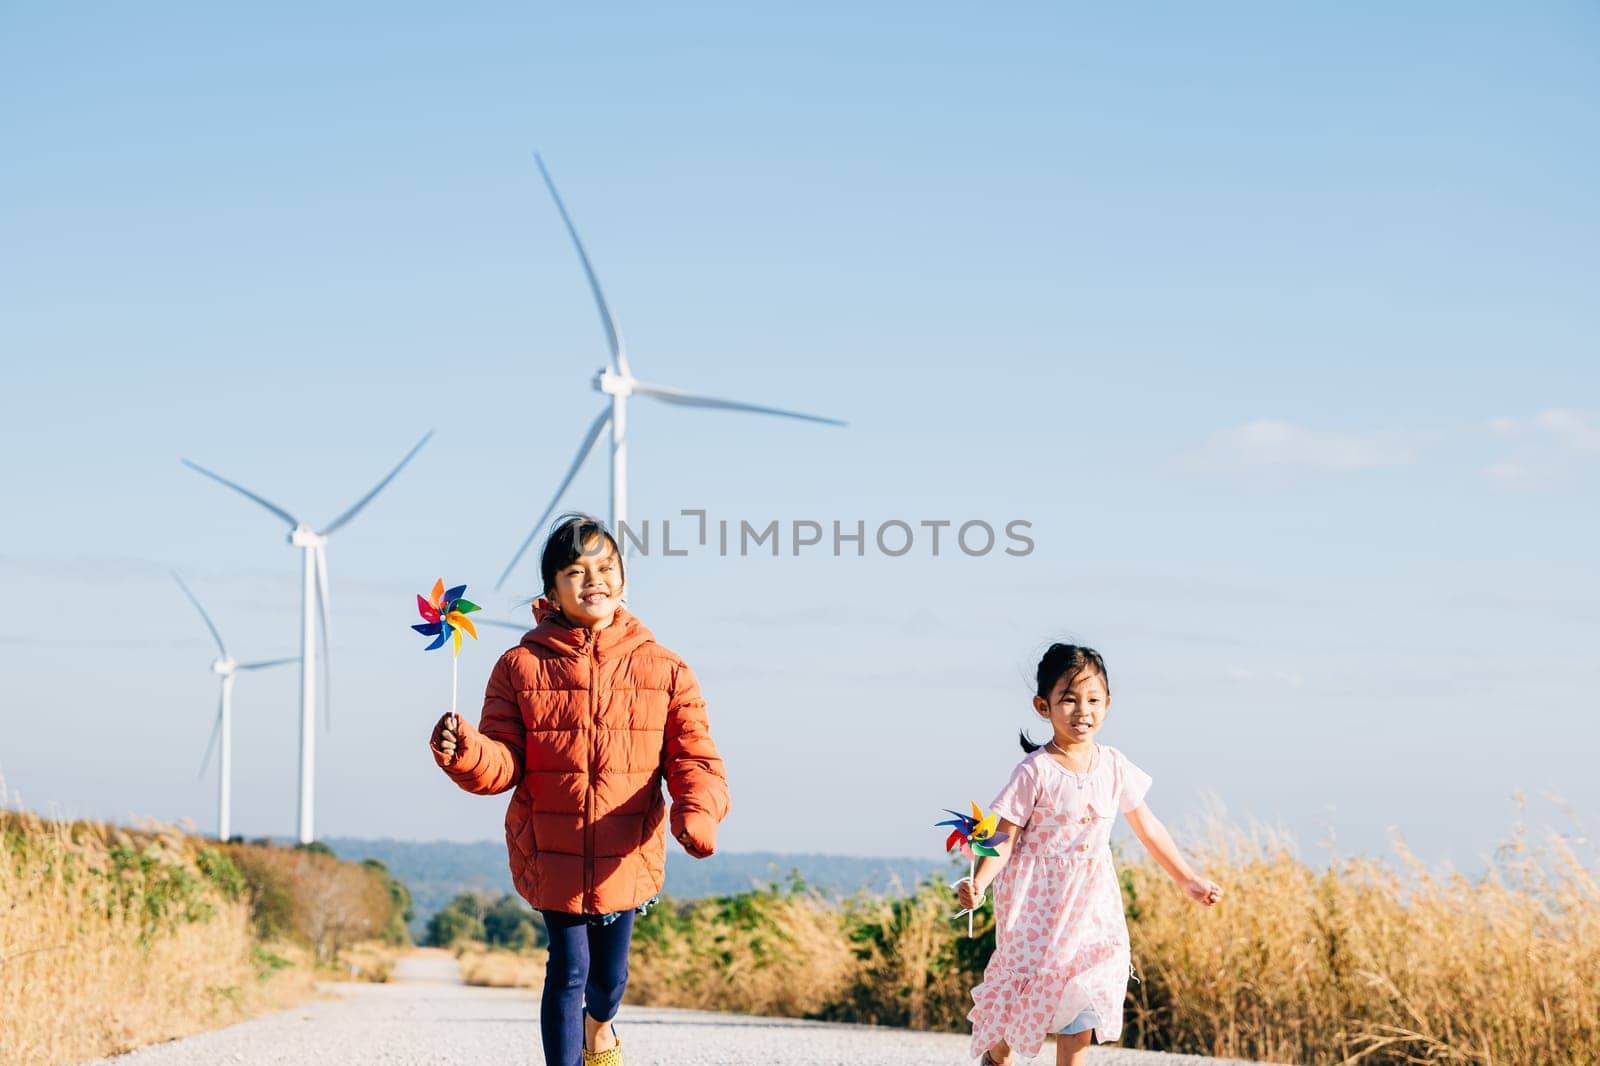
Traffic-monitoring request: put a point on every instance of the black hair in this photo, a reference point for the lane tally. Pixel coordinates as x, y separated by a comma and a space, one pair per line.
568, 542
1068, 661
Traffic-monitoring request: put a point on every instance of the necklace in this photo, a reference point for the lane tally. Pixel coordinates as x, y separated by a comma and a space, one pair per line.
1082, 776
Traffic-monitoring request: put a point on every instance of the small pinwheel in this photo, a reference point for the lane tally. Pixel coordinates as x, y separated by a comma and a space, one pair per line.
444, 613
972, 836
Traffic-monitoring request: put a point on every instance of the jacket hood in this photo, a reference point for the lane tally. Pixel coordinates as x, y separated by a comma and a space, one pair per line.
556, 633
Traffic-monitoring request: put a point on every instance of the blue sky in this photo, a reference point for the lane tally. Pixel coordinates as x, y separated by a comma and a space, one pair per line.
1277, 326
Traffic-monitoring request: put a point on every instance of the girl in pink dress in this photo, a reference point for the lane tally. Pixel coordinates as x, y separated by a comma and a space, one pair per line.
1060, 963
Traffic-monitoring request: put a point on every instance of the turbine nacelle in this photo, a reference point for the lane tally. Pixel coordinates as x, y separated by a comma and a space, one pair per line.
303, 536
611, 383
224, 667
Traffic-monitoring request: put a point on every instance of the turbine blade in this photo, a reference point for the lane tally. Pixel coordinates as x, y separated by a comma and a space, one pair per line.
689, 399
359, 504
211, 746
268, 504
221, 648
319, 558
613, 334
264, 664
504, 625
595, 429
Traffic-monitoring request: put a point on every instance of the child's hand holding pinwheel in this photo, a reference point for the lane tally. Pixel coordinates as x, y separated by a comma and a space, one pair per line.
973, 836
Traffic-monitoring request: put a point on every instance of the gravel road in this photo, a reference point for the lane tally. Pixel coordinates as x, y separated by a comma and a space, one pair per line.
425, 1016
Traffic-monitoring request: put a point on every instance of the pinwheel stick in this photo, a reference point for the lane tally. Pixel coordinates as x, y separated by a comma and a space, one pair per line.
972, 875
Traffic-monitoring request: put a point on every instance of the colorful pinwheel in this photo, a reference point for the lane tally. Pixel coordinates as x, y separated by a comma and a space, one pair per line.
972, 836
444, 612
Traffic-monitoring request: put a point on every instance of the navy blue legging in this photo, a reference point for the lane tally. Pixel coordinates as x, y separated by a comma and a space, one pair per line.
587, 972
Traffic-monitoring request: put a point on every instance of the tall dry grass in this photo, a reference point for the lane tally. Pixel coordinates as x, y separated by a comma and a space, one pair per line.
490, 967
1382, 962
111, 939
1370, 961
912, 966
779, 953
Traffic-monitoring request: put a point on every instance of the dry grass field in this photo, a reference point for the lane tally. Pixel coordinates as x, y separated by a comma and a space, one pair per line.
497, 968
1364, 960
111, 939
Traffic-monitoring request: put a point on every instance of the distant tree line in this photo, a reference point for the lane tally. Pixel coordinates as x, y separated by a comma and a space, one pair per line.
306, 893
438, 872
505, 921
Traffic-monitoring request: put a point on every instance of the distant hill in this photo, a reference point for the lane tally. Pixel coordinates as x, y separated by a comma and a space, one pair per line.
437, 871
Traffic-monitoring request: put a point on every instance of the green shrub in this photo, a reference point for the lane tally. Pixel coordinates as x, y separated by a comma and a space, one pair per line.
395, 931
461, 920
221, 871
509, 922
160, 892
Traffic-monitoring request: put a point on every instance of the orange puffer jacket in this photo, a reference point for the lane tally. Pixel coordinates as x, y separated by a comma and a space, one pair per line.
584, 724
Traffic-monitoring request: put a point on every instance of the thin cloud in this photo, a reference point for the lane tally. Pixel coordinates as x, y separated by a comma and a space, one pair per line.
1575, 430
1549, 444
1501, 426
1247, 675
1271, 444
1508, 475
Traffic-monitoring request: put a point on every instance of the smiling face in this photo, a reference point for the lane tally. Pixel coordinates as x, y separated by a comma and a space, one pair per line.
1077, 707
589, 589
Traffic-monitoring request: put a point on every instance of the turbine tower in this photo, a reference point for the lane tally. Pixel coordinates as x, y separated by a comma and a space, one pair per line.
313, 604
616, 380
225, 667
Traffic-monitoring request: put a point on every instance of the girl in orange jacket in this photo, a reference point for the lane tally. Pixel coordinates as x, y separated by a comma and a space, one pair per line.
584, 719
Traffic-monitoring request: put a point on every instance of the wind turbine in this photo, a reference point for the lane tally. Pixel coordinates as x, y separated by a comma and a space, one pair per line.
225, 667
313, 590
617, 381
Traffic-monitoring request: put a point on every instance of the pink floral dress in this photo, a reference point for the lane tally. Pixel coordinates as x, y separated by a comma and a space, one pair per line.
1061, 938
